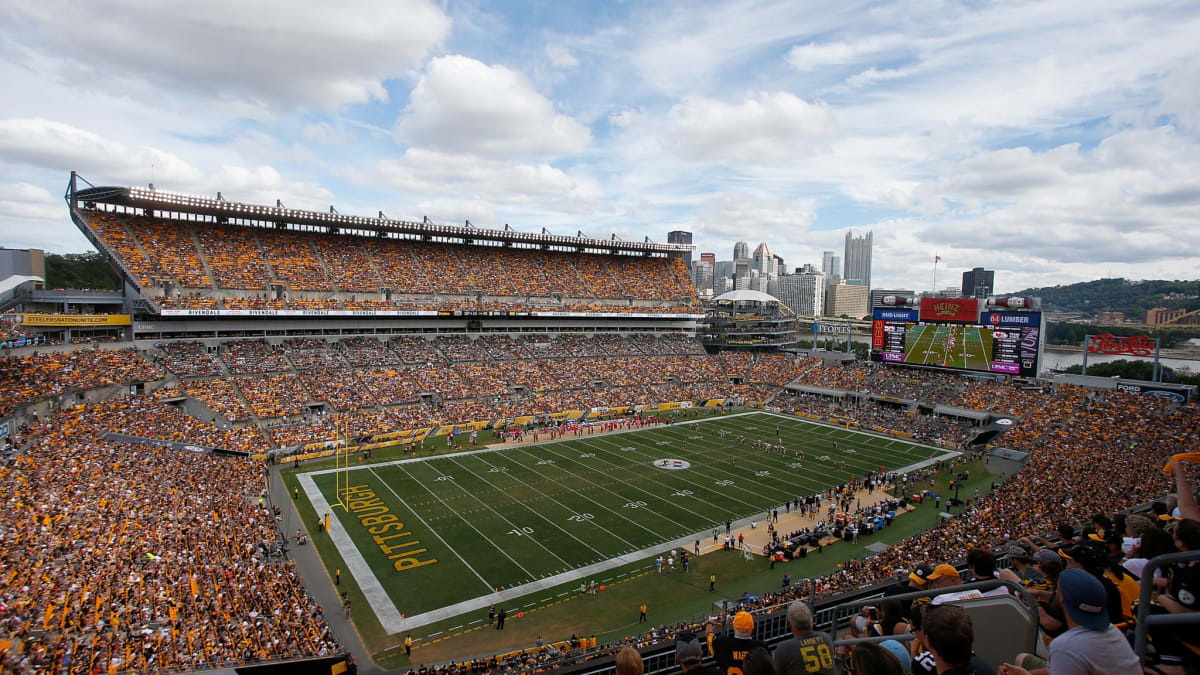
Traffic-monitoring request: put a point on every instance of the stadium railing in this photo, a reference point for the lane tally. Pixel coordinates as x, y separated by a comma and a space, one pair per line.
1144, 619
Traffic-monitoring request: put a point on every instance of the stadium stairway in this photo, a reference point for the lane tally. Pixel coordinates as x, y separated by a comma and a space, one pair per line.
317, 580
212, 281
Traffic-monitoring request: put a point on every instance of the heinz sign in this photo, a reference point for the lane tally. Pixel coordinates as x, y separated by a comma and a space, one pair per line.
961, 310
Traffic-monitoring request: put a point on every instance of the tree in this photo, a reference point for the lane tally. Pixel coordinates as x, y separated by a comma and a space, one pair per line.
81, 270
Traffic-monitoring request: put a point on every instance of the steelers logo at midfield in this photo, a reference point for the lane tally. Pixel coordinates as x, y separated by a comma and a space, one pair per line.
672, 464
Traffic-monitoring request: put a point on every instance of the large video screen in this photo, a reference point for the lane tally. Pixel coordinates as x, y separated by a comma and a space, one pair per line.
1008, 343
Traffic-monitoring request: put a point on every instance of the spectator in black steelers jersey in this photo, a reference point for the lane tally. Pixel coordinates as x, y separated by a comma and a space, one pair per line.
731, 650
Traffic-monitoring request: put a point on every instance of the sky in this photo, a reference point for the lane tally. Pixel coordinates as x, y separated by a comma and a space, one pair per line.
1051, 141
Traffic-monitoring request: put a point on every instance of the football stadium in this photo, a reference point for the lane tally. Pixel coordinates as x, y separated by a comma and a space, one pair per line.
327, 443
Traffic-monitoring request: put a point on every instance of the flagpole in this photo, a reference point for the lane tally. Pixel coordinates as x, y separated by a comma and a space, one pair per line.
936, 258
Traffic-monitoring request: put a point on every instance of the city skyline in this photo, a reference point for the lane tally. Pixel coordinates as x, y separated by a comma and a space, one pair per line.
1042, 141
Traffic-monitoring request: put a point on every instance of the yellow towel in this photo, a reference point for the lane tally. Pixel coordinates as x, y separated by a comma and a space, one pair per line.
1193, 457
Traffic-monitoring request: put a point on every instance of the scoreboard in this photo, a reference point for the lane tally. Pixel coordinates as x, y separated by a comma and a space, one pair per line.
1003, 342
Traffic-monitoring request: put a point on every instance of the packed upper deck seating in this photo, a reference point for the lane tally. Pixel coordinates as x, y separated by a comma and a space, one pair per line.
294, 260
172, 250
349, 263
108, 585
262, 259
234, 257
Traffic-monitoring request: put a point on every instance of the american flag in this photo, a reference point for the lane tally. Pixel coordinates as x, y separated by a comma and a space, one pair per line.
937, 258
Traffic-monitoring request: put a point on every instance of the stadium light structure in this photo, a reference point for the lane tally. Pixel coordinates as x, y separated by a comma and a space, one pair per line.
281, 216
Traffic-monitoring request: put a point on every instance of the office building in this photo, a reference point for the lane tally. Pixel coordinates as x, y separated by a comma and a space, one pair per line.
1161, 315
857, 263
978, 283
803, 293
846, 299
682, 237
831, 265
741, 251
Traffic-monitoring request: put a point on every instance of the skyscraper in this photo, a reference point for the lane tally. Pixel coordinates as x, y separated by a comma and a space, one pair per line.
710, 258
978, 283
762, 259
681, 237
741, 251
858, 258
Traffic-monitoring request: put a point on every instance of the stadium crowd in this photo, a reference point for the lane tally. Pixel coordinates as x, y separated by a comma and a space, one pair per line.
258, 259
121, 557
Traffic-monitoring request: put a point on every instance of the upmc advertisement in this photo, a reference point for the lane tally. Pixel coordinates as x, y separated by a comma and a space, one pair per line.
996, 342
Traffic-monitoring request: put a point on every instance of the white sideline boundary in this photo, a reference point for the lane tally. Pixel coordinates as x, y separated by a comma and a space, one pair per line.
393, 622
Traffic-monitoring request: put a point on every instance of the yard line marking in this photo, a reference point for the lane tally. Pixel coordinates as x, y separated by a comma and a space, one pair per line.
469, 523
535, 511
435, 634
656, 498
499, 515
853, 462
474, 452
431, 529
615, 513
457, 627
475, 622
723, 496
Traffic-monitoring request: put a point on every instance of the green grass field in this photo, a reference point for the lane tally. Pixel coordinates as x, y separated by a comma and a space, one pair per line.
929, 345
430, 538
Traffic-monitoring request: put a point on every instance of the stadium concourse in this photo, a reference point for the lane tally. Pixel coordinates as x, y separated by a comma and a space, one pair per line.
124, 556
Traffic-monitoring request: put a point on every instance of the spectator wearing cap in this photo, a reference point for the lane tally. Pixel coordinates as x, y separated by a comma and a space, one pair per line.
1022, 569
950, 636
900, 653
730, 650
1091, 644
795, 655
945, 576
1094, 562
871, 659
689, 656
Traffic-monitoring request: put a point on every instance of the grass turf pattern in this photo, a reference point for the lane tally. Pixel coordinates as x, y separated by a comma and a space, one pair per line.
503, 518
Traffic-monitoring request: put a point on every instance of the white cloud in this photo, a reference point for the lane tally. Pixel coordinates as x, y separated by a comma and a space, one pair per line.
811, 56
261, 56
465, 106
440, 177
57, 147
561, 57
766, 127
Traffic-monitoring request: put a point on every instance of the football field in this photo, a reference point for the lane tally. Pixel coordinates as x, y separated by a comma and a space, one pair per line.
950, 346
433, 537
